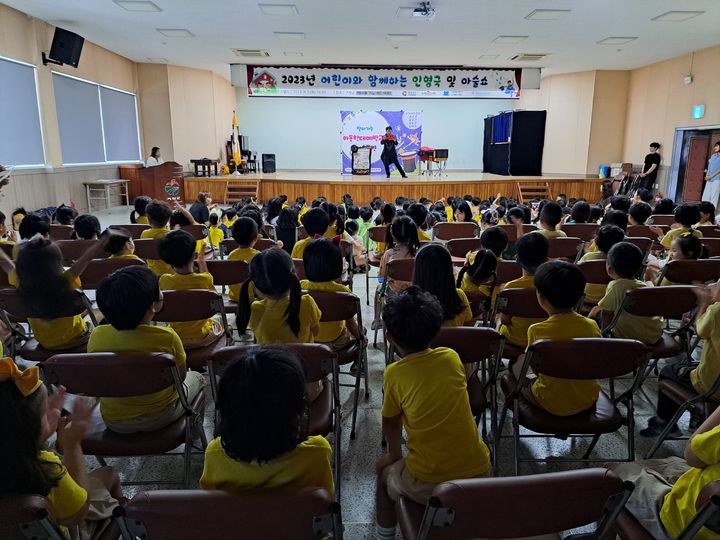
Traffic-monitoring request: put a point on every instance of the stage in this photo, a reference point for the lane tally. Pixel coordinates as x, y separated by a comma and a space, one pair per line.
332, 185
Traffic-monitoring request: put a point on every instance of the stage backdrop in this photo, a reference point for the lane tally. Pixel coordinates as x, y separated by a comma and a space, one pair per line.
363, 128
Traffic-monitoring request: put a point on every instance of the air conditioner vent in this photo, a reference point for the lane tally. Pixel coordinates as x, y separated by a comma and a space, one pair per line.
526, 57
252, 53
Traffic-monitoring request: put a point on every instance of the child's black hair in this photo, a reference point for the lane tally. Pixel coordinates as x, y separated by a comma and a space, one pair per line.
403, 231
551, 214
322, 260
140, 204
230, 213
87, 227
177, 248
495, 239
352, 227
118, 239
3, 217
418, 213
520, 211
33, 224
625, 259
434, 273
620, 202
158, 214
213, 219
273, 208
65, 215
561, 283
596, 213
261, 405
532, 251
244, 231
645, 195
316, 221
664, 207
687, 214
640, 212
126, 295
334, 217
366, 213
464, 207
691, 246
706, 207
253, 212
481, 270
179, 219
617, 218
287, 219
353, 212
580, 212
607, 236
412, 318
387, 214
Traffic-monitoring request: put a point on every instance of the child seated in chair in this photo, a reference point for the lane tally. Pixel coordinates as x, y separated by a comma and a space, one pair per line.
86, 227
426, 394
119, 244
605, 238
560, 286
550, 217
245, 233
687, 216
177, 248
624, 264
473, 276
158, 214
129, 299
262, 440
316, 223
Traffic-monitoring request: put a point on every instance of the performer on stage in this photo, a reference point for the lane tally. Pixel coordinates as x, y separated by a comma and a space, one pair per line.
389, 155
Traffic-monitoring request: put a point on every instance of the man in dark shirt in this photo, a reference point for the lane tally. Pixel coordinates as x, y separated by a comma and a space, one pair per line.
389, 155
650, 167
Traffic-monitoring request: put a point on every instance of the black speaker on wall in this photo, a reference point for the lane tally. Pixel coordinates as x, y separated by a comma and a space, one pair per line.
65, 49
268, 163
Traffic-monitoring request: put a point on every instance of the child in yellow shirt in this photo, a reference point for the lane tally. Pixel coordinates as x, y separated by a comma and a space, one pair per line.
139, 215
550, 217
426, 394
261, 440
129, 299
120, 244
215, 232
316, 223
245, 233
418, 213
158, 214
5, 237
474, 277
687, 216
605, 238
177, 248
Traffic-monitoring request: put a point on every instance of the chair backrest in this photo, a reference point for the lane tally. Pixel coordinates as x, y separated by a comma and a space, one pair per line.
13, 305
641, 231
670, 302
189, 305
507, 271
477, 302
27, 516
586, 358
643, 242
511, 231
707, 505
135, 229
448, 231
228, 272
519, 303
147, 248
336, 306
264, 243
564, 248
60, 232
299, 268
472, 343
691, 271
487, 508
310, 513
377, 234
111, 374
8, 248
269, 230
460, 247
401, 269
72, 250
197, 230
584, 231
710, 231
99, 269
712, 245
595, 272
663, 219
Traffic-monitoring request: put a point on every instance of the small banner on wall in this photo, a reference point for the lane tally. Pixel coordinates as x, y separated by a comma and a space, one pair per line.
267, 81
366, 128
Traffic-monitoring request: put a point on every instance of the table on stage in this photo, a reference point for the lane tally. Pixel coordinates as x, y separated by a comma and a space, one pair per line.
104, 188
202, 166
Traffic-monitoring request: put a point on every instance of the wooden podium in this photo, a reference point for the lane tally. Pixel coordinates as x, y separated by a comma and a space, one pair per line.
162, 182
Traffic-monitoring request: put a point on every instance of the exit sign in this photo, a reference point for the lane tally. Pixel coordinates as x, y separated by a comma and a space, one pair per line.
698, 111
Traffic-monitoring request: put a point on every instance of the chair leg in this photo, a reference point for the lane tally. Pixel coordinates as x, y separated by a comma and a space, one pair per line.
356, 400
367, 374
101, 461
593, 443
663, 435
367, 284
516, 438
337, 458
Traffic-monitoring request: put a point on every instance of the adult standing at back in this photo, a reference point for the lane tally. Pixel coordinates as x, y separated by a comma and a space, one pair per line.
200, 209
650, 167
155, 159
711, 192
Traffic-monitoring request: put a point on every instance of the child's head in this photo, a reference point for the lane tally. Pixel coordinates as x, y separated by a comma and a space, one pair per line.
707, 212
418, 213
664, 207
617, 218
644, 195
261, 405
158, 214
140, 207
620, 202
352, 227
129, 297
273, 208
213, 219
551, 214
17, 216
366, 213
316, 221
253, 212
687, 247
322, 260
87, 227
230, 214
300, 202
177, 248
403, 231
495, 239
65, 215
119, 242
639, 213
580, 212
596, 213
607, 236
532, 251
434, 274
288, 218
353, 212
387, 214
334, 218
490, 218
687, 215
624, 261
33, 224
463, 212
245, 231
412, 319
559, 285
3, 226
179, 219
481, 270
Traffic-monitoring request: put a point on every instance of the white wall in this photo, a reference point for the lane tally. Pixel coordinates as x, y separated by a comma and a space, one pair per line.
304, 133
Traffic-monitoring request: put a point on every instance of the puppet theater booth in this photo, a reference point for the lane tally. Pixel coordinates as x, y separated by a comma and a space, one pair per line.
513, 143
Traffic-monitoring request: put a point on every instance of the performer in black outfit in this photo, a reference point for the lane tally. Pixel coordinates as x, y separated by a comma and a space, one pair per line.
650, 168
389, 155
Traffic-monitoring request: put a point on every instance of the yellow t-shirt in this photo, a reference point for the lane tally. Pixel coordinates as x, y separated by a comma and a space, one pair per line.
517, 332
142, 220
239, 254
329, 331
672, 234
564, 397
423, 236
268, 320
215, 235
67, 498
308, 465
156, 265
144, 338
465, 316
57, 333
468, 286
126, 256
195, 330
299, 247
594, 291
628, 326
708, 328
449, 214
442, 438
304, 210
678, 507
551, 234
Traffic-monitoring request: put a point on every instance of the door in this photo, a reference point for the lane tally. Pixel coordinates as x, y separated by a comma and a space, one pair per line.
695, 168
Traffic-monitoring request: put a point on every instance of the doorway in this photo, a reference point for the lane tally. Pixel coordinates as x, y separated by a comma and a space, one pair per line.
693, 148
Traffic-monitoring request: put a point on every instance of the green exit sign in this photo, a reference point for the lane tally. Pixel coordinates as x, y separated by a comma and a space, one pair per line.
698, 111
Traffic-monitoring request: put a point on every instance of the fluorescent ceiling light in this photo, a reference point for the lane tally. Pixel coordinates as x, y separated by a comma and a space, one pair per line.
279, 10
290, 36
488, 57
138, 5
509, 39
547, 14
677, 16
175, 32
405, 12
401, 38
619, 40
158, 60
293, 54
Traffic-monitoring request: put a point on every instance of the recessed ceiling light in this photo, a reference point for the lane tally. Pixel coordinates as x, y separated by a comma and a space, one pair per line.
137, 5
405, 12
619, 40
509, 39
158, 60
488, 57
401, 37
279, 10
547, 14
290, 36
677, 16
292, 54
175, 32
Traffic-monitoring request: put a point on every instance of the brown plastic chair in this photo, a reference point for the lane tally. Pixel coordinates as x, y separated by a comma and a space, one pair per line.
642, 231
712, 245
196, 305
511, 231
27, 516
375, 234
663, 219
135, 229
299, 513
229, 244
564, 248
335, 307
299, 266
319, 361
269, 230
460, 247
517, 303
645, 244
122, 375
577, 359
72, 250
595, 273
450, 231
584, 231
147, 249
710, 231
686, 272
227, 273
60, 232
507, 271
197, 230
401, 269
487, 507
98, 269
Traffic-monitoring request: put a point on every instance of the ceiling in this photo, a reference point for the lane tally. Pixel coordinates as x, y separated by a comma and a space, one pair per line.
356, 32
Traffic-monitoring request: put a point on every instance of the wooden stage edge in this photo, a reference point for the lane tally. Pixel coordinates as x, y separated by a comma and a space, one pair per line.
311, 184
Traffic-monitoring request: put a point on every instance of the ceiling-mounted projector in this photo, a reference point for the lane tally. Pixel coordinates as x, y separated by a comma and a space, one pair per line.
424, 10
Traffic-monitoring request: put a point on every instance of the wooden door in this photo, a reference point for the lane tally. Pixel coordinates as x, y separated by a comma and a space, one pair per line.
695, 168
